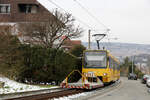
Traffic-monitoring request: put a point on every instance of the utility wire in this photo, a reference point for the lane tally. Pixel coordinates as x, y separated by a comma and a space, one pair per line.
107, 29
89, 13
78, 18
73, 16
57, 5
108, 43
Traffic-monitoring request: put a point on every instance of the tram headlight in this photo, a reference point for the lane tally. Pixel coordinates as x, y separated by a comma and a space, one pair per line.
105, 74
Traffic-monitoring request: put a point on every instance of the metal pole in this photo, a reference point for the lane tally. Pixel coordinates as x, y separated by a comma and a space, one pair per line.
89, 44
132, 63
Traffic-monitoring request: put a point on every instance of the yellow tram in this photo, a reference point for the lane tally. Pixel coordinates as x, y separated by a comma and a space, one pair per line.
99, 67
102, 64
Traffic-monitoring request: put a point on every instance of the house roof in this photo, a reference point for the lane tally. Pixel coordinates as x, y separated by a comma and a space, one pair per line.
71, 42
76, 42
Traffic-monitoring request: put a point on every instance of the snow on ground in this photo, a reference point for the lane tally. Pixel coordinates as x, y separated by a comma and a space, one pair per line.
13, 86
71, 97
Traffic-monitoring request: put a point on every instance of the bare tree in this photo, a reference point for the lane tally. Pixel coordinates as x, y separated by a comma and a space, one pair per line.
49, 34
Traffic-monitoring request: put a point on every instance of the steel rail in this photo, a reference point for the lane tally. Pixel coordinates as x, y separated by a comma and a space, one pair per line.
47, 96
28, 93
65, 92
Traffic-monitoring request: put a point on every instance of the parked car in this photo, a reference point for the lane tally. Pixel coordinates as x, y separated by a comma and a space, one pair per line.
148, 90
144, 78
132, 76
148, 82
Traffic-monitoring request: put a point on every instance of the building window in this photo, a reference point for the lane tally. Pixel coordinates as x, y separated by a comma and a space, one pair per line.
28, 8
4, 8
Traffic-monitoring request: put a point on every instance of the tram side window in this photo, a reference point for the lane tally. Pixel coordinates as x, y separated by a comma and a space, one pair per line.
113, 65
116, 66
110, 63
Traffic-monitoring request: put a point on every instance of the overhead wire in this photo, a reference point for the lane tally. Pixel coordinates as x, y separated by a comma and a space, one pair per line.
73, 16
89, 13
97, 20
88, 26
110, 43
106, 30
107, 44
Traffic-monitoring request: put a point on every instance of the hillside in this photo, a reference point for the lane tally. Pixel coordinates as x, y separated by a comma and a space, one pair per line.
122, 49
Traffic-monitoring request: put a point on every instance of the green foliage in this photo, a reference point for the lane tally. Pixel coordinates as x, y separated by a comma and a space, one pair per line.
77, 50
10, 59
34, 64
65, 63
44, 86
138, 73
45, 65
126, 63
7, 87
130, 68
126, 68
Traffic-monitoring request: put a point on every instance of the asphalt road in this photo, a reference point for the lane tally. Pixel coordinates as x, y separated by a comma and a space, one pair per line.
129, 90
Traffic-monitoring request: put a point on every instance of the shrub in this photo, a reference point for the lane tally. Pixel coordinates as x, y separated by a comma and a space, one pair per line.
46, 65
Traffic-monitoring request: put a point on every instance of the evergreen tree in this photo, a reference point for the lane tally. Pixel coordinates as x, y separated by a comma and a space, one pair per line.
77, 50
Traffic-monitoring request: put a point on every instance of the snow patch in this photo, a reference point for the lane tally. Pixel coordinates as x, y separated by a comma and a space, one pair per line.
72, 96
13, 86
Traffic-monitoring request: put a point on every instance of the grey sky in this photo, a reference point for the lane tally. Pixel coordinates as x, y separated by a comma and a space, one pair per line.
129, 20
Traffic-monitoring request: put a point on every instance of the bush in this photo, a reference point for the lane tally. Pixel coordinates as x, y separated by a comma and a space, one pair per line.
46, 65
77, 50
138, 73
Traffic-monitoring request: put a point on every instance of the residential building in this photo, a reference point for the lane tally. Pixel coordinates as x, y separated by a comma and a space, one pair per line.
14, 11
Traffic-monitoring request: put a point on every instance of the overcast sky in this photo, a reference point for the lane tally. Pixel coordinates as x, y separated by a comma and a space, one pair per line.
129, 20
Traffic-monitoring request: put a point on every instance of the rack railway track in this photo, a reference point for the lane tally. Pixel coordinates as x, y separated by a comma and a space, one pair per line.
48, 96
65, 92
28, 93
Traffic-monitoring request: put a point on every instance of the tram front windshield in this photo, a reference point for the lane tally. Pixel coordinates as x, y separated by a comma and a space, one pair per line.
95, 60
